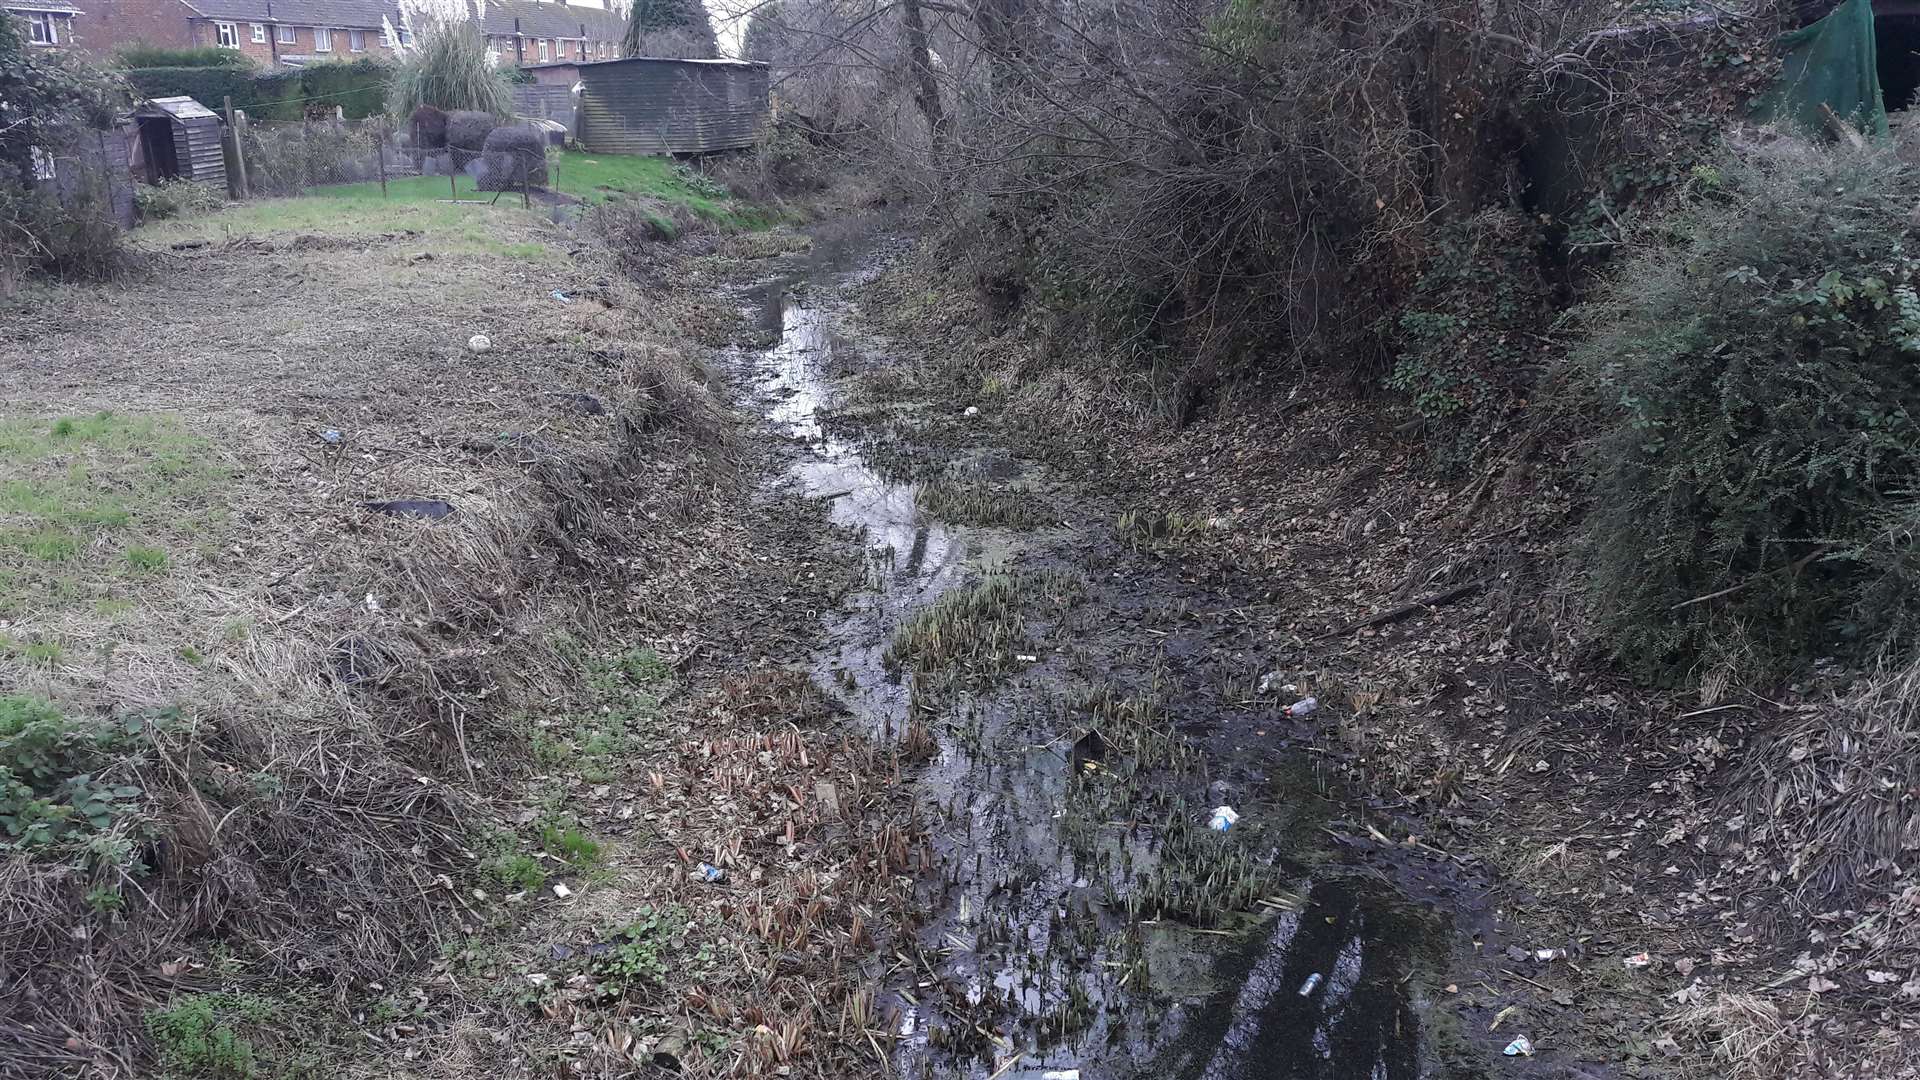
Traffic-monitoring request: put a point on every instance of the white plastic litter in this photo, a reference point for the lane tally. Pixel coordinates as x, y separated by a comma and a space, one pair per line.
479, 343
1223, 818
1270, 684
1519, 1047
1312, 984
1303, 707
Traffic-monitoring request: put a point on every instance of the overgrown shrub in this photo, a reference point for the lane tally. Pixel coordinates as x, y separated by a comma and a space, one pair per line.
76, 239
287, 159
784, 165
176, 198
1760, 374
512, 158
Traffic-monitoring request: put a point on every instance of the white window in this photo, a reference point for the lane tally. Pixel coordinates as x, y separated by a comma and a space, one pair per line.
42, 163
227, 34
543, 50
322, 39
288, 35
41, 29
406, 36
259, 33
357, 40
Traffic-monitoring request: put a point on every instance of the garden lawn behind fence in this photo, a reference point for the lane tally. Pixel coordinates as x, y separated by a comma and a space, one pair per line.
590, 177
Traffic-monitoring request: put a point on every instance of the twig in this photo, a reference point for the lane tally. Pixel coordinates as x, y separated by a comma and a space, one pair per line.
1715, 709
1451, 596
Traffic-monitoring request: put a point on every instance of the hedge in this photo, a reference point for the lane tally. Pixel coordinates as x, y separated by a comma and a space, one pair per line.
358, 86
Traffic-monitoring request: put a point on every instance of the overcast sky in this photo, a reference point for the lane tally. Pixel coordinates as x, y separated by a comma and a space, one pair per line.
727, 28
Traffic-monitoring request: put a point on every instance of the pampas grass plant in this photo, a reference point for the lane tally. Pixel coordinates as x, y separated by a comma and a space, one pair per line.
449, 69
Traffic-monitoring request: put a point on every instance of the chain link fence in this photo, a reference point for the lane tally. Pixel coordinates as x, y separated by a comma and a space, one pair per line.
314, 157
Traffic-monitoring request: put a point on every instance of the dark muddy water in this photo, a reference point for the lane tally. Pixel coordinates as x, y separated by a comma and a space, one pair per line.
1052, 949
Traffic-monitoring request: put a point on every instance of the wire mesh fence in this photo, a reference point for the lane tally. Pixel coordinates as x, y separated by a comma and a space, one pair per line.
334, 157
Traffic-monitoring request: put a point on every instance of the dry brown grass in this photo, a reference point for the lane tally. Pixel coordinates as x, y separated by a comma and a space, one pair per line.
344, 680
815, 833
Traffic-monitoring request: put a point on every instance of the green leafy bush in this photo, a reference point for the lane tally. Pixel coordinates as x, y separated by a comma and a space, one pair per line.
207, 56
264, 96
1467, 339
176, 198
358, 87
48, 783
1760, 378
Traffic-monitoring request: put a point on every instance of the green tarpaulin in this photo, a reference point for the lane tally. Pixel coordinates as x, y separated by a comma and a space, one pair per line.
1831, 63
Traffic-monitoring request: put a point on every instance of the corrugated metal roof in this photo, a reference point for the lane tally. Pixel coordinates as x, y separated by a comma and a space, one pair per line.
180, 108
721, 62
644, 105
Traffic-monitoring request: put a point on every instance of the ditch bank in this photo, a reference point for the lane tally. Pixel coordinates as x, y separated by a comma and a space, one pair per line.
1077, 703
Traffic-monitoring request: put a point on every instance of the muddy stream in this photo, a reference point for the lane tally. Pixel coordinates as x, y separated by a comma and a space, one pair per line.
1088, 922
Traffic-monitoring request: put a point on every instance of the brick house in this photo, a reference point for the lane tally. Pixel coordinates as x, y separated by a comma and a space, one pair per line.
47, 23
524, 32
298, 32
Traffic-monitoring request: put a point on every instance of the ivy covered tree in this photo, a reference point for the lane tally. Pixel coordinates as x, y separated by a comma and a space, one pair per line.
45, 95
675, 28
763, 27
48, 99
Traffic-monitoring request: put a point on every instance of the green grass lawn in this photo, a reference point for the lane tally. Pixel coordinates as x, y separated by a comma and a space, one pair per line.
448, 228
426, 204
593, 177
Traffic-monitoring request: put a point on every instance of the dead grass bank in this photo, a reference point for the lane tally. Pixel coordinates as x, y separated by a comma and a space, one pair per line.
256, 711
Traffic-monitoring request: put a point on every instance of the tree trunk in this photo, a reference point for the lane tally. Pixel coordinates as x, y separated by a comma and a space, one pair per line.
927, 92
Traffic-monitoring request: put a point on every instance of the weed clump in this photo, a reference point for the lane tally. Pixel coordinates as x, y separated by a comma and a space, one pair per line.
176, 198
975, 632
51, 788
1762, 401
197, 1036
977, 503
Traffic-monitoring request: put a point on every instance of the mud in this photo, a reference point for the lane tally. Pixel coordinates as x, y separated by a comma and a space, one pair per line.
1084, 917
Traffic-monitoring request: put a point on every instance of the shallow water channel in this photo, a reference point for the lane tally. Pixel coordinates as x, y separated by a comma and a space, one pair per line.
1051, 948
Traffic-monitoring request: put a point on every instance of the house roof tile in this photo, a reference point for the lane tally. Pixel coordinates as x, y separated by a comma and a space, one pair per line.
536, 19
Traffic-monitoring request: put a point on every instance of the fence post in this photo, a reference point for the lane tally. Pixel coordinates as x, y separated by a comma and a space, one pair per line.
380, 155
239, 153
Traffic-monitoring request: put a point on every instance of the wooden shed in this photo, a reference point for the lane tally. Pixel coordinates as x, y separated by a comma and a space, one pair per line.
180, 139
648, 105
